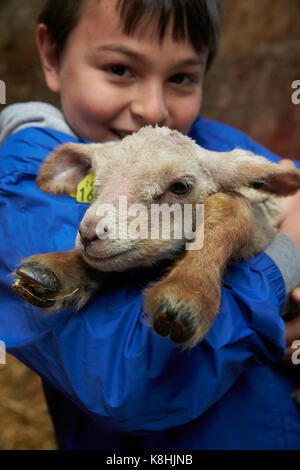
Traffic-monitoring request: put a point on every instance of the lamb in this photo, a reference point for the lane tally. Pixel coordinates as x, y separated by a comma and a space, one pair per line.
158, 166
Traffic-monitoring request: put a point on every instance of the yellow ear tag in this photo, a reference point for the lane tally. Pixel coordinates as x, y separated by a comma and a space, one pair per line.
85, 190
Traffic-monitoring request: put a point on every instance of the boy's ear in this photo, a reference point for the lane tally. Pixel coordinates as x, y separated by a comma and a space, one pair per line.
64, 168
232, 170
48, 57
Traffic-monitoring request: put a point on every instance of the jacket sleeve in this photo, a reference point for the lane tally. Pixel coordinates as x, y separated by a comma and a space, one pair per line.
105, 358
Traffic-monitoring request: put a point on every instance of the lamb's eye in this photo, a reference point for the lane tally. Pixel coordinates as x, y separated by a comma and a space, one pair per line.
180, 187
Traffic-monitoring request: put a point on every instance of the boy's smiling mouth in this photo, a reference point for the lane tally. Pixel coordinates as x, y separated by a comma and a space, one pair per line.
121, 133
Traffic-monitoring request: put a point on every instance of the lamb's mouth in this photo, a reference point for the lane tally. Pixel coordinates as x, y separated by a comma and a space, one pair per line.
100, 259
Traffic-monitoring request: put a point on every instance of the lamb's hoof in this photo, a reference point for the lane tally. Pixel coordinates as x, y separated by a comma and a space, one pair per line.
180, 325
36, 284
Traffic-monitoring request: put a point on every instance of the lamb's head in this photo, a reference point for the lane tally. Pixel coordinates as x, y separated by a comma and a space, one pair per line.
154, 171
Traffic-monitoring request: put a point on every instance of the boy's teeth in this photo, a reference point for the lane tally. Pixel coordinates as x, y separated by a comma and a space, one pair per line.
123, 134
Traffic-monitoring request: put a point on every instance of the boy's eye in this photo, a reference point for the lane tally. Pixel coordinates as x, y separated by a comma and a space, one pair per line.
119, 70
182, 79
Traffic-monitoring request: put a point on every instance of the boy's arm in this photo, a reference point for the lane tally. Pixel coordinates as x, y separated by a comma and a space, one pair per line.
285, 249
286, 255
19, 116
105, 358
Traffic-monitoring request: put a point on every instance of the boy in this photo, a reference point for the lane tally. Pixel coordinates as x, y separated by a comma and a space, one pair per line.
110, 382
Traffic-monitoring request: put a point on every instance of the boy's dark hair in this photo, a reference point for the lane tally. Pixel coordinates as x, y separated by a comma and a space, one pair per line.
198, 20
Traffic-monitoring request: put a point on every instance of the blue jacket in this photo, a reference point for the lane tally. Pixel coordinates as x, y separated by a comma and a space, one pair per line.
110, 381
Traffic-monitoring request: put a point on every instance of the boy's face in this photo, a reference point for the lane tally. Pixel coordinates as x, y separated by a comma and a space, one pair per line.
112, 84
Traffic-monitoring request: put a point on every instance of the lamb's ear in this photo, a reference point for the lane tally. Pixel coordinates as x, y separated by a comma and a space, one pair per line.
284, 183
64, 168
232, 170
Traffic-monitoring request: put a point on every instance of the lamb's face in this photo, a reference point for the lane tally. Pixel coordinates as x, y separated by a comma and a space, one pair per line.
147, 196
154, 170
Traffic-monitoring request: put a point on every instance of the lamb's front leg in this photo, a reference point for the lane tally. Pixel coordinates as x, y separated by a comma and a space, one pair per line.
55, 281
185, 302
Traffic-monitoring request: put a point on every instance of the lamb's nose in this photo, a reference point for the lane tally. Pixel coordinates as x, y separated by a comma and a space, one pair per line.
87, 237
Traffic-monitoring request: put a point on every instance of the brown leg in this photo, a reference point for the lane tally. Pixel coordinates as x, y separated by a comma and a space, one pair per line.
56, 280
185, 303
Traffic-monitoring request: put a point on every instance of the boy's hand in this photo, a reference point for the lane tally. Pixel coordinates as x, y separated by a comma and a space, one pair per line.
290, 226
292, 328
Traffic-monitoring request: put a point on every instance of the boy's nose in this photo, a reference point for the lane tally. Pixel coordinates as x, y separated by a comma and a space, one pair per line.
149, 106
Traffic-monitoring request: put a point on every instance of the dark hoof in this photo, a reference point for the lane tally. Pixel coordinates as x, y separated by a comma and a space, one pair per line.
180, 325
36, 284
